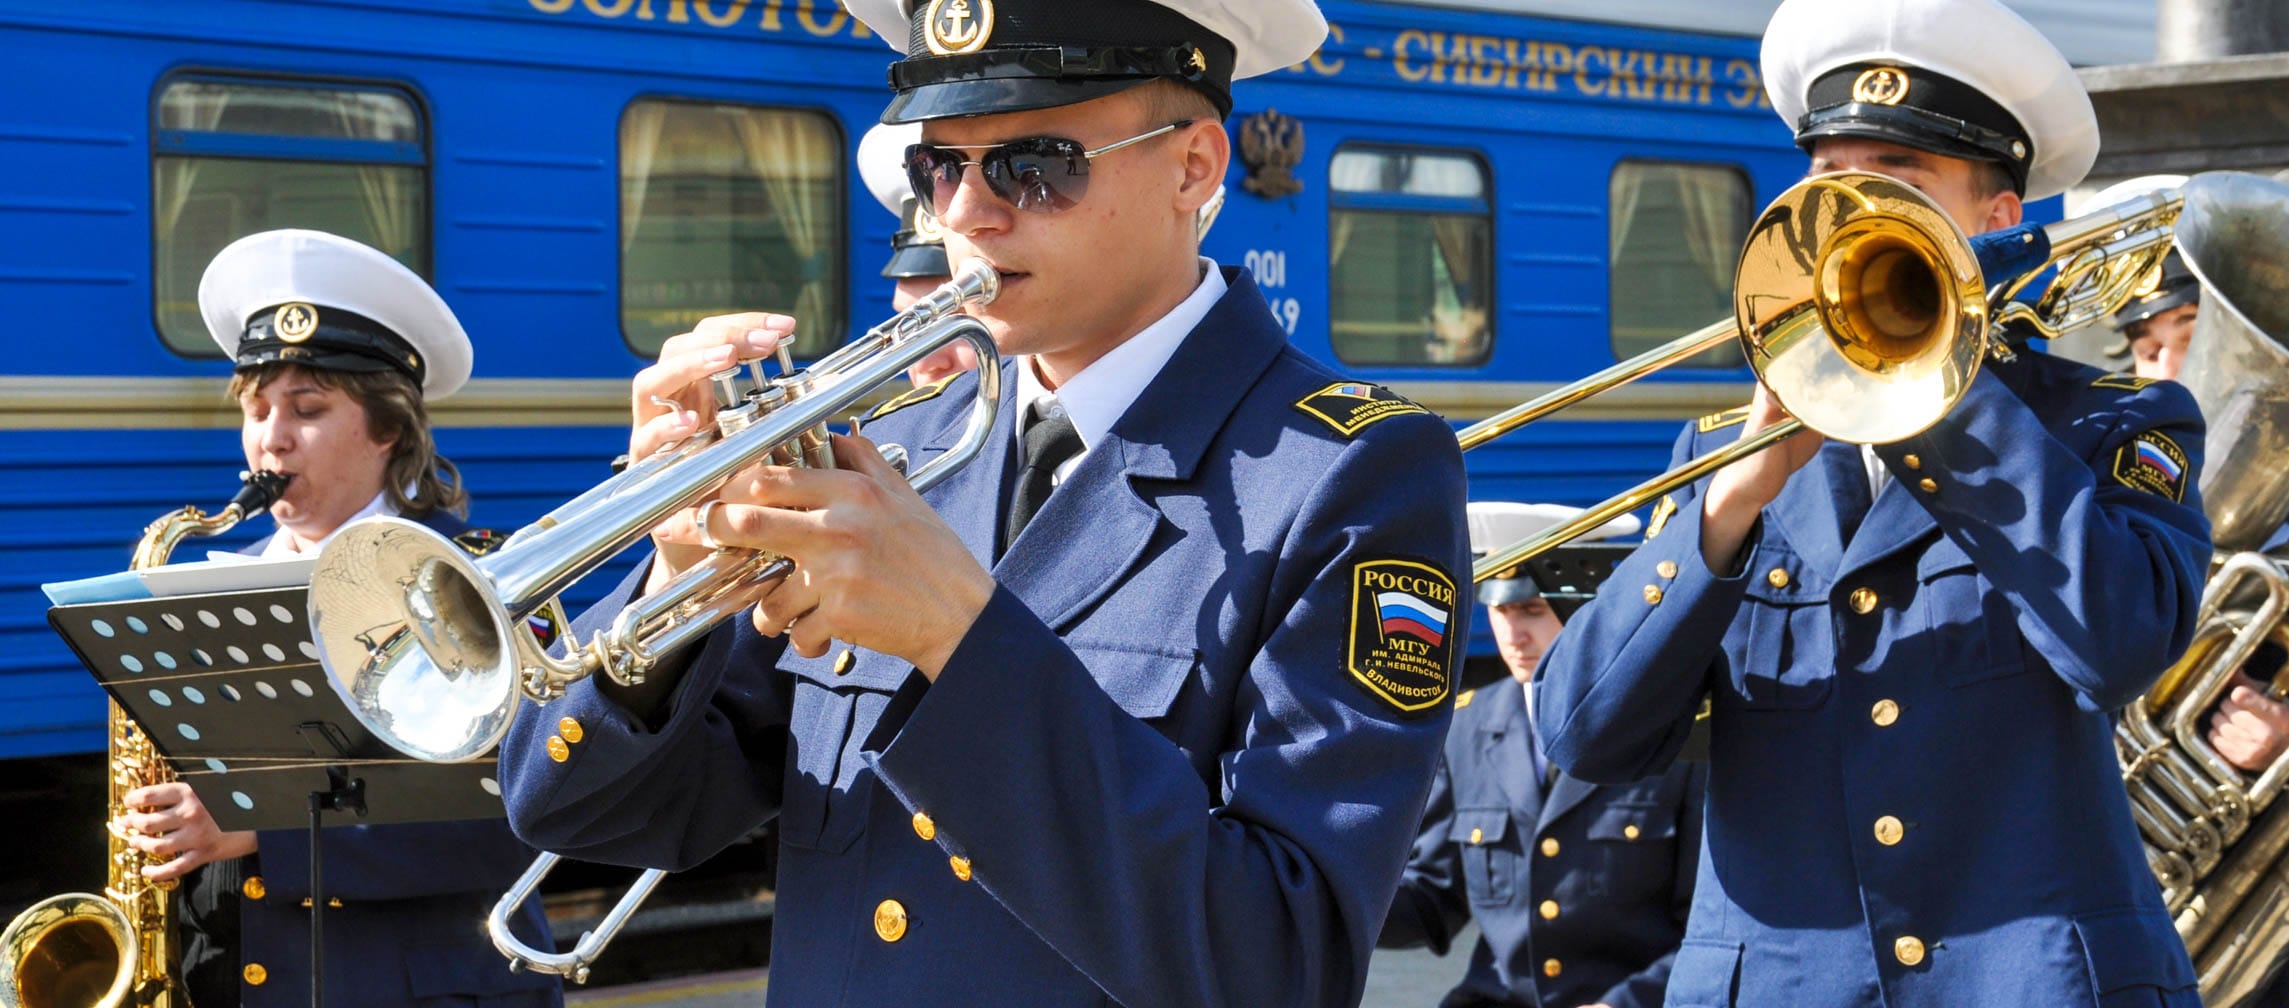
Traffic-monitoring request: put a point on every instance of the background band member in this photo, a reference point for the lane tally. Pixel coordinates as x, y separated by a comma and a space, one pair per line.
1161, 740
1580, 890
337, 349
1911, 651
918, 249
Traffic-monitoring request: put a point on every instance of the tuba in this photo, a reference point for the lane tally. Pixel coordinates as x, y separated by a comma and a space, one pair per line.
2212, 831
115, 950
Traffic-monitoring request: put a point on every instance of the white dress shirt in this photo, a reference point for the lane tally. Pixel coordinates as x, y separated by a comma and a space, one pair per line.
279, 544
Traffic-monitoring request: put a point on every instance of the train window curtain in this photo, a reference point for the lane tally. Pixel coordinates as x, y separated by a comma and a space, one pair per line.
1675, 230
1410, 257
727, 208
233, 157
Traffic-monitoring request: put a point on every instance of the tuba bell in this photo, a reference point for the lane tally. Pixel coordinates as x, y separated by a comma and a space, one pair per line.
2213, 833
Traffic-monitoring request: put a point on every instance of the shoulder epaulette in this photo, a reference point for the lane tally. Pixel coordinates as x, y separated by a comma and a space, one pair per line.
919, 395
1350, 407
2122, 381
480, 541
1464, 698
1720, 421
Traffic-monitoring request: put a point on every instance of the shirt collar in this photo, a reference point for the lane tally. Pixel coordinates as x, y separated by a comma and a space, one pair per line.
278, 547
1096, 398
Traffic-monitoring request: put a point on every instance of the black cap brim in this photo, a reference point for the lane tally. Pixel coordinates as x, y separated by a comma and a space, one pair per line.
961, 98
2140, 311
310, 357
917, 261
1905, 135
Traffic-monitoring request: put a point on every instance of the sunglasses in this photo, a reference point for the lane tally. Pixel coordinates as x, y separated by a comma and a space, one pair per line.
1037, 174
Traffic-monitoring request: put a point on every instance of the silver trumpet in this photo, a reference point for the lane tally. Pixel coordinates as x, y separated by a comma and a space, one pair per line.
430, 648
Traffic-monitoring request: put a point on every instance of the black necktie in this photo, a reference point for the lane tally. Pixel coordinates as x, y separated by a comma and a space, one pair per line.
1048, 443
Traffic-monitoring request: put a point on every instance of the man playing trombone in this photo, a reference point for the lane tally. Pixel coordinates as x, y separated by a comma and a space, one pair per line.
1141, 706
1909, 651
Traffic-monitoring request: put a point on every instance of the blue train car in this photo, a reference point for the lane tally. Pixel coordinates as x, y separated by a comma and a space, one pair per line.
1470, 207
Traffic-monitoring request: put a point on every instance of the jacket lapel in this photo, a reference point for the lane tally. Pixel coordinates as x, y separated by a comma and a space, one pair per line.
1505, 747
1566, 793
1836, 482
1897, 521
1097, 524
970, 499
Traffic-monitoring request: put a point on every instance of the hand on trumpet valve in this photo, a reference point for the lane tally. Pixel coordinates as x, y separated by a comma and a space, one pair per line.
874, 565
674, 398
175, 826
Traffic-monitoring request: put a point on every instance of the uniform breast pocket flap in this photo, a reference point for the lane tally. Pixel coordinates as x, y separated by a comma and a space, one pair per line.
1971, 629
1489, 864
1788, 653
1144, 679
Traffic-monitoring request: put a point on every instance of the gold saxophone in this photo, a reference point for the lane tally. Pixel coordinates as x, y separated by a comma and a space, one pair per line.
83, 950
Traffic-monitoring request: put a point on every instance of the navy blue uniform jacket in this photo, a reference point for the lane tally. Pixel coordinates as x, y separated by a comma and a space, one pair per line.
1594, 879
410, 929
1913, 793
1166, 766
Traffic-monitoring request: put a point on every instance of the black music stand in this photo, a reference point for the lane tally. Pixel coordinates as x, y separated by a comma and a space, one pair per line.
228, 688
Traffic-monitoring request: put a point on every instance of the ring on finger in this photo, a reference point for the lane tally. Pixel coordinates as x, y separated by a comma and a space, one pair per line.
706, 537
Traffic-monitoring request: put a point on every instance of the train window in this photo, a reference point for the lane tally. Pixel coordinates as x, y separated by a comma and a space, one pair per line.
233, 157
1410, 257
1675, 231
727, 208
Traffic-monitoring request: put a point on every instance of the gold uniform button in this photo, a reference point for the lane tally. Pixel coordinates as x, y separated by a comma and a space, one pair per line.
889, 921
557, 750
255, 975
1629, 832
1551, 967
1548, 909
846, 661
1909, 950
924, 826
1652, 594
570, 730
1929, 485
1549, 846
1776, 577
1913, 462
1666, 568
1889, 830
1863, 601
1477, 835
961, 867
253, 888
1884, 713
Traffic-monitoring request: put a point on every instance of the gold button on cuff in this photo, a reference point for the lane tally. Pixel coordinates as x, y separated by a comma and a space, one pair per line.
1889, 830
846, 661
1929, 485
1863, 601
1913, 461
961, 867
1548, 909
924, 826
1909, 950
1477, 835
1652, 594
1630, 831
1776, 577
889, 920
253, 888
1550, 847
255, 975
570, 730
557, 750
1551, 967
1884, 713
1666, 568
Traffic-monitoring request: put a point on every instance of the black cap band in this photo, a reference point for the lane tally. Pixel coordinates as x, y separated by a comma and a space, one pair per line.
1917, 108
327, 338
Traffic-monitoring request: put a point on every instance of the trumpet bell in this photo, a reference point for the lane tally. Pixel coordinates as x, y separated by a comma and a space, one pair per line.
430, 669
2231, 235
1861, 307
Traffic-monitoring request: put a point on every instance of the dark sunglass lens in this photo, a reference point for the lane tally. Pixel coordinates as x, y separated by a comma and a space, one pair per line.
1041, 175
934, 173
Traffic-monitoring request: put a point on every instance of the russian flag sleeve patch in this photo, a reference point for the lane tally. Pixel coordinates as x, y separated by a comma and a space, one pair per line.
2153, 463
1403, 616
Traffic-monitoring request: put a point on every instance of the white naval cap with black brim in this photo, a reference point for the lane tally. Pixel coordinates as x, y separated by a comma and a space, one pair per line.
323, 301
1965, 79
1567, 576
918, 249
984, 57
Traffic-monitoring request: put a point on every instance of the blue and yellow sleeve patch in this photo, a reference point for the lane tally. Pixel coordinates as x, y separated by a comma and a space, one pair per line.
920, 395
1720, 421
1351, 407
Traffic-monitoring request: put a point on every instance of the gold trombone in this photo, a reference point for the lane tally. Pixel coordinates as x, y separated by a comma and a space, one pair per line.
1867, 312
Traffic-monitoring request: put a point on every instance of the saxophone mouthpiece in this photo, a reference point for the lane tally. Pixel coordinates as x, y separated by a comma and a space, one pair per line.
261, 491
